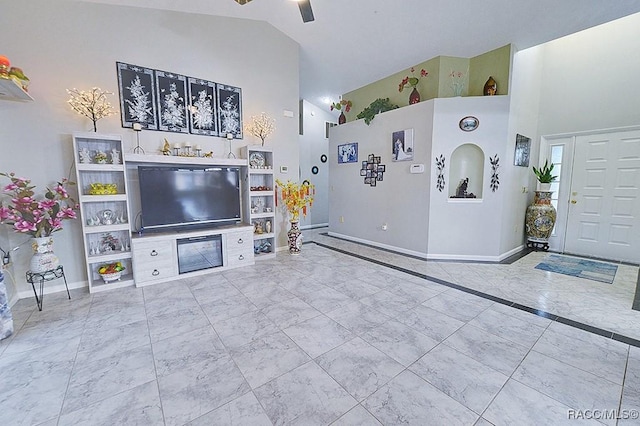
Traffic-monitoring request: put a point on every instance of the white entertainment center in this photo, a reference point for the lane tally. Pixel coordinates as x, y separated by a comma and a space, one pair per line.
110, 206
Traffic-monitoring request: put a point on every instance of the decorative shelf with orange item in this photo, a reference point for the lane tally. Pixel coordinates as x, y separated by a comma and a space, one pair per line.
12, 91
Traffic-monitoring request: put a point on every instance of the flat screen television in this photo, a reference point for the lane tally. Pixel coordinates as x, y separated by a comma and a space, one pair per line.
193, 196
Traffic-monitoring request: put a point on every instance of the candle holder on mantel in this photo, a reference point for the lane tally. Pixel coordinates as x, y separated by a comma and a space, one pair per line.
137, 127
230, 138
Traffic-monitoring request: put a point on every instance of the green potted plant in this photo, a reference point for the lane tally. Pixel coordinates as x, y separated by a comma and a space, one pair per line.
544, 175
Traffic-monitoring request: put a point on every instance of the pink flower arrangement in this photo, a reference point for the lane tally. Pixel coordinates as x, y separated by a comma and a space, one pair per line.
411, 81
38, 218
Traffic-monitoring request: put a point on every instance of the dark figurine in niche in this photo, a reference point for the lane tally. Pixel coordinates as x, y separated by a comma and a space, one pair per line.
461, 190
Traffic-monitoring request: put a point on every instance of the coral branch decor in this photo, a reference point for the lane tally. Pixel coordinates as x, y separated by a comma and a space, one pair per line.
261, 126
92, 104
412, 81
296, 197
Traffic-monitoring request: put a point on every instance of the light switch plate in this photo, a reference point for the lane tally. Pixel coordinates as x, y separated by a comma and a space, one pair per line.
417, 168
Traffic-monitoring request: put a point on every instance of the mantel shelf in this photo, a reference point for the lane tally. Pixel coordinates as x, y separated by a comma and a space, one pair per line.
11, 91
175, 159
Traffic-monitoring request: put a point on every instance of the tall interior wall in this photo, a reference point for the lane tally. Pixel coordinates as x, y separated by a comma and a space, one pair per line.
401, 200
65, 44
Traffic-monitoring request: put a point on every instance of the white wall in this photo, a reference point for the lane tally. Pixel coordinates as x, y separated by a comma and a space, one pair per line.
468, 228
64, 44
590, 79
519, 182
313, 145
401, 200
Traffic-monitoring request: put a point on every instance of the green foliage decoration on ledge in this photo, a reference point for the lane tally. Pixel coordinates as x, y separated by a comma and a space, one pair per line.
376, 107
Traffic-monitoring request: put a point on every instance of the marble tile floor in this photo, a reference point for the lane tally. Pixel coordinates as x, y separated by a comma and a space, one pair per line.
317, 339
604, 306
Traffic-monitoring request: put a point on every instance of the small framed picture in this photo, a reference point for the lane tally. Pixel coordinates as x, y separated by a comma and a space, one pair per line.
376, 160
370, 158
373, 182
348, 153
469, 123
363, 172
172, 102
367, 180
382, 168
522, 151
402, 145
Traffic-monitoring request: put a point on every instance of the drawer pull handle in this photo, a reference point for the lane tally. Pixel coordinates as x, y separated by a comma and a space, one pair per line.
155, 273
154, 253
240, 241
241, 257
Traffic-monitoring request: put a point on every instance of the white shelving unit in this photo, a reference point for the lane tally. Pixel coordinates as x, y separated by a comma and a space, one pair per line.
12, 91
105, 217
260, 201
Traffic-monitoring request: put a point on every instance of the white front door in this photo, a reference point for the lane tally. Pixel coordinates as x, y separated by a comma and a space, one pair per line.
604, 199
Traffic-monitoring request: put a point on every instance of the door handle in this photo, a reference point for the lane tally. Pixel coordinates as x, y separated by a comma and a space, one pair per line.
573, 201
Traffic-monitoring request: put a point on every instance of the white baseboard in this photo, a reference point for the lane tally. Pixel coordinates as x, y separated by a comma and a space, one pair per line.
430, 256
475, 258
49, 289
377, 244
317, 225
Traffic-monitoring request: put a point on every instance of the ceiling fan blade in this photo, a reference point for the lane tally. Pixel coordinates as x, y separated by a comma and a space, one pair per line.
242, 1
305, 10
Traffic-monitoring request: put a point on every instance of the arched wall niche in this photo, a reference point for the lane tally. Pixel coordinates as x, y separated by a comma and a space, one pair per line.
467, 161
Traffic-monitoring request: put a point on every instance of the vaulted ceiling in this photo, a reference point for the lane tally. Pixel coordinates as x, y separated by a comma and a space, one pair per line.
354, 42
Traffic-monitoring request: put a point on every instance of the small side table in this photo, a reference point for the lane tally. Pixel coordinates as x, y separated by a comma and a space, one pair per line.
42, 277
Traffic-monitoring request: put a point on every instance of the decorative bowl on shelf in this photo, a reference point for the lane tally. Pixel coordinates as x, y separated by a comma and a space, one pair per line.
103, 188
115, 276
111, 271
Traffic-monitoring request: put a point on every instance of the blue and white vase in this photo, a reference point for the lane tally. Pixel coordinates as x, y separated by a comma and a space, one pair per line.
6, 320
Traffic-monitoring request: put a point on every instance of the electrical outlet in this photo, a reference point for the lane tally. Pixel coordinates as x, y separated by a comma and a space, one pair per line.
384, 226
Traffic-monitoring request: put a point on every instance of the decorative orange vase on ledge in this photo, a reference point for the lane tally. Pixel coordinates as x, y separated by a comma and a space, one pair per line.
342, 118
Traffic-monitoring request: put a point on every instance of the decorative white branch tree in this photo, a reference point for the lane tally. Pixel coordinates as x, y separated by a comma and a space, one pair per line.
93, 104
261, 126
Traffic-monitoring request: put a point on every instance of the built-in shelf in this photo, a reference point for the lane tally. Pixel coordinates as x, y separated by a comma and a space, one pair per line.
12, 91
176, 159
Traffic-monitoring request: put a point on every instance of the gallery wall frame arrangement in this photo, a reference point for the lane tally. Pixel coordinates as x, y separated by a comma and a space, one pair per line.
166, 101
522, 151
348, 153
372, 170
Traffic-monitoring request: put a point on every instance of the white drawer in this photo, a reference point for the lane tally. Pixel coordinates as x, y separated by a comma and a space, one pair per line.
239, 240
157, 272
146, 253
237, 258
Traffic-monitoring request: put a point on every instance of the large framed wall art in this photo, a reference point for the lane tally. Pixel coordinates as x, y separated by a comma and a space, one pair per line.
230, 111
137, 96
172, 105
